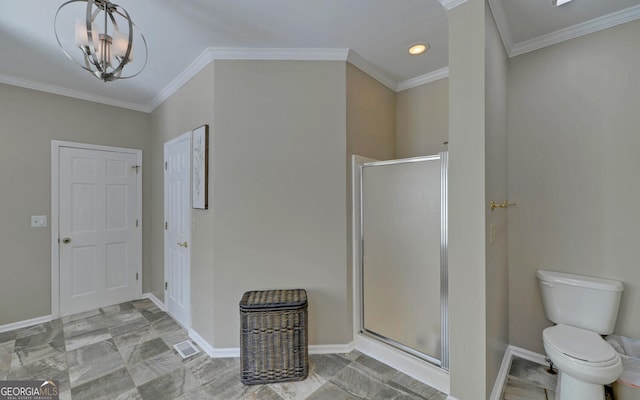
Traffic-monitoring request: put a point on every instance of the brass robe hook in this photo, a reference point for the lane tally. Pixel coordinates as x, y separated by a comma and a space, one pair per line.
504, 204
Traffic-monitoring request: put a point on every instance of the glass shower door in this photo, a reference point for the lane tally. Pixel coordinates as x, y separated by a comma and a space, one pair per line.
403, 228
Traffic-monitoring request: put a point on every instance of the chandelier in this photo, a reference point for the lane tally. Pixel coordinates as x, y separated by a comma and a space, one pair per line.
105, 38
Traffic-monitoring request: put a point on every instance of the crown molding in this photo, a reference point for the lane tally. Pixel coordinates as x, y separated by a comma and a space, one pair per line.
451, 4
76, 94
356, 60
185, 76
500, 18
595, 25
282, 54
423, 79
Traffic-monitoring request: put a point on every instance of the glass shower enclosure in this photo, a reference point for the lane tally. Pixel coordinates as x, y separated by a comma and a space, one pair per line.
403, 259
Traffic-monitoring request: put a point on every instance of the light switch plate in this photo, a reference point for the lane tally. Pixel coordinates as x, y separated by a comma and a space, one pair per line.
38, 221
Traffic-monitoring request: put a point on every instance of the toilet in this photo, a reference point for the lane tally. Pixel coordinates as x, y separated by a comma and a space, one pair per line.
583, 308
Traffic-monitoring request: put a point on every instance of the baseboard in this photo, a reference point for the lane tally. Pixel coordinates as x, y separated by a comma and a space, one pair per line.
24, 324
155, 300
204, 345
512, 351
450, 397
234, 352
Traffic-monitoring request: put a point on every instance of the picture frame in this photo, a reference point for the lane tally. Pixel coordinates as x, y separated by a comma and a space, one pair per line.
200, 168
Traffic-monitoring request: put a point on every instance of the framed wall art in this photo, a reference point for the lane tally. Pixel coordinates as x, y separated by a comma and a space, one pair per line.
200, 168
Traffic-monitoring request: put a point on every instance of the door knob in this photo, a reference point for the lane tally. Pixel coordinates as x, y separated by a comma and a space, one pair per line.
185, 244
66, 240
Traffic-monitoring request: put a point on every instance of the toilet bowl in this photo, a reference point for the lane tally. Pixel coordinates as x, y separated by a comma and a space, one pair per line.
582, 354
583, 308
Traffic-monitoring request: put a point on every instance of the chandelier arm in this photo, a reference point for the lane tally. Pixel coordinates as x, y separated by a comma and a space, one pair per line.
55, 31
93, 53
118, 70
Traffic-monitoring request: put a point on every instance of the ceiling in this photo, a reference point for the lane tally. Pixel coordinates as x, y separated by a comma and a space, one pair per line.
184, 35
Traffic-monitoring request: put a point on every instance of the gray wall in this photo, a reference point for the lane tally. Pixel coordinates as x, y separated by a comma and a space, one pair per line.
190, 107
422, 119
497, 274
29, 120
279, 190
573, 170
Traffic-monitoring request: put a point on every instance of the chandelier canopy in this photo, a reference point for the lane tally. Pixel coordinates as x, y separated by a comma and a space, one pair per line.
105, 37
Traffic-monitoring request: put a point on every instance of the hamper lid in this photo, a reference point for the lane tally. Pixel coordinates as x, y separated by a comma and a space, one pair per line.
263, 299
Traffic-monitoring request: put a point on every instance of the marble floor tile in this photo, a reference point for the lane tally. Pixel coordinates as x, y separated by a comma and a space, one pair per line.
207, 369
51, 327
357, 382
517, 389
327, 365
129, 326
45, 344
533, 372
176, 337
389, 393
169, 386
406, 384
8, 336
6, 354
92, 362
54, 368
139, 352
199, 393
329, 391
116, 385
381, 371
165, 326
79, 316
263, 393
226, 385
82, 339
299, 389
137, 336
353, 355
84, 325
118, 308
124, 318
154, 367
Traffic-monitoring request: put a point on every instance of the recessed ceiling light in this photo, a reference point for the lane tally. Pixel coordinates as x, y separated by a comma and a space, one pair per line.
418, 49
558, 3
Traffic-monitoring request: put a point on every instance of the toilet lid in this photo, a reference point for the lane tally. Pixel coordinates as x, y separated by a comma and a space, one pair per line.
579, 343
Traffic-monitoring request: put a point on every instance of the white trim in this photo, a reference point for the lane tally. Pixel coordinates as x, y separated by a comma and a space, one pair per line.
451, 4
55, 234
503, 373
418, 369
527, 355
450, 397
356, 60
331, 348
595, 25
154, 300
25, 324
423, 79
76, 94
183, 77
204, 345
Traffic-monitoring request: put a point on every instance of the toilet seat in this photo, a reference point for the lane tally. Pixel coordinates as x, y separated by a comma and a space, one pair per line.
583, 347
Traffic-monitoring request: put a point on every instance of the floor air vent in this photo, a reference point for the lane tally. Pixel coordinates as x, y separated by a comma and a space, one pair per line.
186, 349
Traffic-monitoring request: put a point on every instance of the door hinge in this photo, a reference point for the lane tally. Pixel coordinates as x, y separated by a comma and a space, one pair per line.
136, 276
166, 285
166, 226
166, 165
137, 223
137, 167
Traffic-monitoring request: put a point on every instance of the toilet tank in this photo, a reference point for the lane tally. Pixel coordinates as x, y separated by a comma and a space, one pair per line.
580, 301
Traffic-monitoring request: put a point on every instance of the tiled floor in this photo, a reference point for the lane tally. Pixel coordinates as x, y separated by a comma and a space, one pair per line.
529, 381
125, 352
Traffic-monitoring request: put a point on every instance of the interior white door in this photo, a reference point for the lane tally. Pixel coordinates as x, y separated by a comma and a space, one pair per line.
177, 211
99, 245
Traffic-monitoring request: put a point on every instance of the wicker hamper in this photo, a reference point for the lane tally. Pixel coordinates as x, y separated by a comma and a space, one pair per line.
273, 336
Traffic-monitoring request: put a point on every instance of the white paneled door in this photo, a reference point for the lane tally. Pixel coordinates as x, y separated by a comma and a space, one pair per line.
98, 229
177, 234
